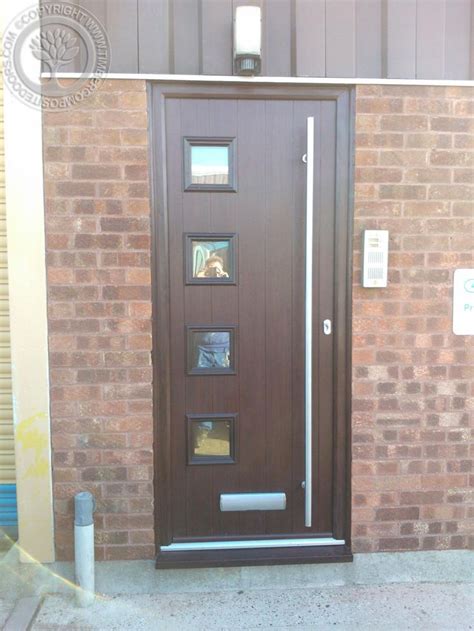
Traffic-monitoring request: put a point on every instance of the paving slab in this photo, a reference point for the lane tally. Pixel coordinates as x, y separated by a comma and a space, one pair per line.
23, 613
394, 607
7, 601
6, 607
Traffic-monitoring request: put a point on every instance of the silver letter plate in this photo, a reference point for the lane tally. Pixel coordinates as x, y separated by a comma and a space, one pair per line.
252, 501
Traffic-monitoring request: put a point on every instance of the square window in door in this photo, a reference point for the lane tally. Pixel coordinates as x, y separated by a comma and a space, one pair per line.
209, 164
211, 350
210, 259
211, 439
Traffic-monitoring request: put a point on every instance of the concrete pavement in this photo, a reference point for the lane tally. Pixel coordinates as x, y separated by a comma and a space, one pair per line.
395, 607
419, 590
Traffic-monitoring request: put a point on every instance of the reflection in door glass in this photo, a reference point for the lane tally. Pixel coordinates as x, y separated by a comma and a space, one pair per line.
209, 164
210, 350
211, 438
211, 259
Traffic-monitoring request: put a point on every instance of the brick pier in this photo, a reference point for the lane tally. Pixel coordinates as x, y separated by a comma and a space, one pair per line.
412, 403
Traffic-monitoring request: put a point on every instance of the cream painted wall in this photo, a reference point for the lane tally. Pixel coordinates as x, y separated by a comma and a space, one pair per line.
28, 317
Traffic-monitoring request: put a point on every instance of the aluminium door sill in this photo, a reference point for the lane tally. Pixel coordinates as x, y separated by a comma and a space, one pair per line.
256, 543
257, 552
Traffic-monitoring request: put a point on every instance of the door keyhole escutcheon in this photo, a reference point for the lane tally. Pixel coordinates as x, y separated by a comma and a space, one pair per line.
327, 327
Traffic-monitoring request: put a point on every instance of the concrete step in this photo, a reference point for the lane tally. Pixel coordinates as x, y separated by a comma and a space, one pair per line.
141, 577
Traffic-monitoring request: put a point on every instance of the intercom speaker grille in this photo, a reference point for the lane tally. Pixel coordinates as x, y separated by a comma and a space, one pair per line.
375, 258
375, 270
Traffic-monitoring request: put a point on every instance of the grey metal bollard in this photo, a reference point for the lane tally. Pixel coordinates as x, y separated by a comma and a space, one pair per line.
84, 506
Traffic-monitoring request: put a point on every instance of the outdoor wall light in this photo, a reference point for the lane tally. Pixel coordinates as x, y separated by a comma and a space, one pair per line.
247, 40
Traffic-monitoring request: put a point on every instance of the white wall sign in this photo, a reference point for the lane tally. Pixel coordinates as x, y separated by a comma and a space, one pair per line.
463, 302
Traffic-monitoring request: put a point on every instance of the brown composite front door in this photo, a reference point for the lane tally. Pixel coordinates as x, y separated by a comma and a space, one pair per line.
238, 478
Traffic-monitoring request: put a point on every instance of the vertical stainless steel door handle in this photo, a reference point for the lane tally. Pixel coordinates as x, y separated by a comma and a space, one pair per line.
308, 403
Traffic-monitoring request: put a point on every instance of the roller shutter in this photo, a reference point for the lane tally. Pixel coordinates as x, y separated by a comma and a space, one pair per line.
8, 513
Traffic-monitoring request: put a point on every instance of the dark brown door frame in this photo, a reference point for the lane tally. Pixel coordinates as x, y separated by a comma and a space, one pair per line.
158, 92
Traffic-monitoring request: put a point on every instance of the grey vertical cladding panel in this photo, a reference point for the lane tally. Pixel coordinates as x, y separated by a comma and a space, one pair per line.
153, 36
278, 37
98, 8
471, 59
186, 49
122, 29
401, 39
397, 39
430, 38
369, 38
310, 28
217, 37
340, 38
458, 39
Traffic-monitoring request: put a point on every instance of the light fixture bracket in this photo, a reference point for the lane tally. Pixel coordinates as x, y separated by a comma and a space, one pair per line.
247, 65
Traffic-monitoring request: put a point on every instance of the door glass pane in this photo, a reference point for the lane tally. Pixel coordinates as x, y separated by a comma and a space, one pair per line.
211, 440
210, 259
209, 164
210, 351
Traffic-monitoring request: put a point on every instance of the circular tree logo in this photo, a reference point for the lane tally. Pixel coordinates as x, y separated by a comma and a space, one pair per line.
63, 37
56, 48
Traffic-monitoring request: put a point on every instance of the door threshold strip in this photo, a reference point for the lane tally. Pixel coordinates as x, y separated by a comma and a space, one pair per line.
257, 543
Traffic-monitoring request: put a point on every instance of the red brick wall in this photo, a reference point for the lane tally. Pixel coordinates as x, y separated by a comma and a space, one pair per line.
412, 399
98, 257
413, 379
